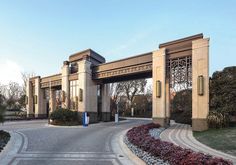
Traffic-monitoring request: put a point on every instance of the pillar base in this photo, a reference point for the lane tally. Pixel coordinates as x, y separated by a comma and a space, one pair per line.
164, 122
41, 116
93, 117
199, 124
30, 116
106, 116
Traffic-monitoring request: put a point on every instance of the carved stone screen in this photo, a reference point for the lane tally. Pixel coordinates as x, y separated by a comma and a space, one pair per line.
179, 73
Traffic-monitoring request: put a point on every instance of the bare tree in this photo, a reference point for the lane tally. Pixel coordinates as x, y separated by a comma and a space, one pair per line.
2, 103
128, 89
132, 88
148, 93
13, 95
116, 90
2, 94
25, 77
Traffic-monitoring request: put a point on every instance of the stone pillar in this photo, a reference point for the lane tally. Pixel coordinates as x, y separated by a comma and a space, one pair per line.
40, 108
159, 74
29, 94
65, 86
87, 89
44, 103
52, 100
200, 67
106, 112
167, 101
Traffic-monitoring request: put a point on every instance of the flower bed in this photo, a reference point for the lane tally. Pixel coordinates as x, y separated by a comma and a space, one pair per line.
173, 154
4, 138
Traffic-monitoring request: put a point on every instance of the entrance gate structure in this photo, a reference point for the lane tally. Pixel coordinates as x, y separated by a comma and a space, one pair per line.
184, 61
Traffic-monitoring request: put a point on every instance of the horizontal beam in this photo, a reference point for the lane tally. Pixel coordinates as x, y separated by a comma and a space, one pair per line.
129, 70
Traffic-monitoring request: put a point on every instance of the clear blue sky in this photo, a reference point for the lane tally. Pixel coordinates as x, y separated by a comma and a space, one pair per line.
38, 35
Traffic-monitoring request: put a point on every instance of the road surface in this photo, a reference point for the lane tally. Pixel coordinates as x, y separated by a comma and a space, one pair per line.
36, 142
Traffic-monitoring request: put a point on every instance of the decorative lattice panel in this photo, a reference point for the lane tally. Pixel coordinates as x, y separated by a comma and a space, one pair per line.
179, 72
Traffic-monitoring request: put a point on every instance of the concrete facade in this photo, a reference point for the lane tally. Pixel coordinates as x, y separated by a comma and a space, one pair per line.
30, 104
105, 102
65, 86
52, 100
85, 72
40, 105
159, 74
200, 67
88, 87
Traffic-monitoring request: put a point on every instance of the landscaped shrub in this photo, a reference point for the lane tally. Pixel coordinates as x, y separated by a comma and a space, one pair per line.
181, 107
65, 117
223, 93
167, 151
4, 138
217, 120
2, 111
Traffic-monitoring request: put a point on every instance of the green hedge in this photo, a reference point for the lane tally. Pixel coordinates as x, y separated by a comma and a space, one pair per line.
4, 138
65, 117
181, 107
2, 111
217, 120
222, 97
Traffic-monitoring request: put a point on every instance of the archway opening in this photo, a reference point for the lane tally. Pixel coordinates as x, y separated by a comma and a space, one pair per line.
179, 74
131, 98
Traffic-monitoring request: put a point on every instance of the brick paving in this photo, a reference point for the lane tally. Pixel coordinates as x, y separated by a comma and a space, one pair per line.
182, 135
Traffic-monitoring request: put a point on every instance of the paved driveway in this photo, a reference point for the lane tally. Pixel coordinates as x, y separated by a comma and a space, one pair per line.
182, 135
34, 142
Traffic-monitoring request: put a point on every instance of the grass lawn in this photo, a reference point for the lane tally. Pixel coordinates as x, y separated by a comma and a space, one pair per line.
220, 139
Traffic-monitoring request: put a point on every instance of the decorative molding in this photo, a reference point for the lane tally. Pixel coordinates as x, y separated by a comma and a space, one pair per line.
123, 71
55, 77
73, 76
53, 84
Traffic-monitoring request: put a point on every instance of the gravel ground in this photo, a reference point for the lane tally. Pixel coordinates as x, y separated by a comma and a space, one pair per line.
146, 157
156, 132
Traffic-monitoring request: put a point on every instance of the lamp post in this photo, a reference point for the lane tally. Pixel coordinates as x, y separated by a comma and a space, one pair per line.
117, 112
132, 109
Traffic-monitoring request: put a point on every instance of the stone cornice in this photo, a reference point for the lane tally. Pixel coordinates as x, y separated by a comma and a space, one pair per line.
147, 67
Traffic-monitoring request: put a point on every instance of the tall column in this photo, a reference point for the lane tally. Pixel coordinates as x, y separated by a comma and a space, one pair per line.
65, 85
106, 112
167, 101
52, 101
29, 94
40, 108
87, 90
44, 103
200, 67
159, 87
